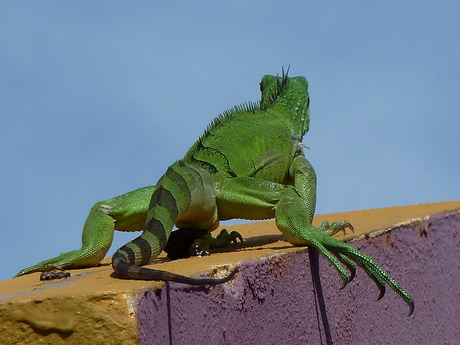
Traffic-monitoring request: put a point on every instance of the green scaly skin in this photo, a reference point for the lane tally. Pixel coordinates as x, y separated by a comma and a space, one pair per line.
248, 164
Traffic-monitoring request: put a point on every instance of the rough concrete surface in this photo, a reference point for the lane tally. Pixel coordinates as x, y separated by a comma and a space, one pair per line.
277, 297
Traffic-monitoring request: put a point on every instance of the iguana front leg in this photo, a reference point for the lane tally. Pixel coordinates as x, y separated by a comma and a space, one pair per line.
293, 209
299, 231
126, 212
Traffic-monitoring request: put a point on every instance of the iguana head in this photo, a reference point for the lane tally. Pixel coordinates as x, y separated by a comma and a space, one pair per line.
288, 98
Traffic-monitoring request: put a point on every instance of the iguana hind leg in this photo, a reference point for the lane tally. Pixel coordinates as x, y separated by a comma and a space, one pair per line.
126, 212
184, 197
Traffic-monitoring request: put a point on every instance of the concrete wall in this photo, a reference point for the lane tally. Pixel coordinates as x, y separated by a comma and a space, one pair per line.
274, 301
276, 298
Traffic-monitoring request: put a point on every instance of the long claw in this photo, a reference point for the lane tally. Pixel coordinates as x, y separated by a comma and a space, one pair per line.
350, 265
411, 307
346, 225
345, 283
351, 228
352, 274
236, 236
382, 291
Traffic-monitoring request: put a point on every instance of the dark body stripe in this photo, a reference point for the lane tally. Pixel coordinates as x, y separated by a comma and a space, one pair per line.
144, 248
203, 156
131, 256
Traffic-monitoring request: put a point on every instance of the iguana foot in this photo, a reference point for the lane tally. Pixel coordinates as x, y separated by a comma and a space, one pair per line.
340, 254
201, 247
224, 239
335, 227
182, 241
52, 275
74, 259
186, 242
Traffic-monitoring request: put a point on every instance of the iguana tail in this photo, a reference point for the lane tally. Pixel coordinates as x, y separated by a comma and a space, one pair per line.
182, 196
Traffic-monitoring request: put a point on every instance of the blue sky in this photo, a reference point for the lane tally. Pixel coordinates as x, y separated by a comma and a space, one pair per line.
98, 98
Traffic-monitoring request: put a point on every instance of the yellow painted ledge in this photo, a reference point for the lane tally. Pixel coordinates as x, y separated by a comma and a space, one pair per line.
93, 307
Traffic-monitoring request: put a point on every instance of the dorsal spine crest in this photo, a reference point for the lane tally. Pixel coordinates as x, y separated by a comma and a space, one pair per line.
249, 107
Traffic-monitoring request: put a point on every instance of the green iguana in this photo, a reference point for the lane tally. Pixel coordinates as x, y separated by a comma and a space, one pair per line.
248, 164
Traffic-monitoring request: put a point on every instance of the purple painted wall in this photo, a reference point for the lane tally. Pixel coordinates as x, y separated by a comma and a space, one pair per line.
273, 301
